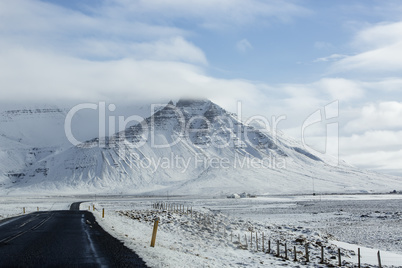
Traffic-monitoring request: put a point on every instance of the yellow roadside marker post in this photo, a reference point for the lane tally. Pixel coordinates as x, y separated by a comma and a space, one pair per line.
154, 232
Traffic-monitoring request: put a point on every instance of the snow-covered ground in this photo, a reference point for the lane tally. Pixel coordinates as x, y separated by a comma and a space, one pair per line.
209, 236
14, 206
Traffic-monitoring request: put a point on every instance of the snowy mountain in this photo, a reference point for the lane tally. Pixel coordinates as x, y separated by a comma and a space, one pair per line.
30, 133
193, 147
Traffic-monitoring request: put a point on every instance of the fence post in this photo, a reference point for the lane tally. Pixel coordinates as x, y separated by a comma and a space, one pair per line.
103, 212
256, 240
358, 257
37, 208
295, 253
23, 210
251, 240
269, 246
322, 254
339, 257
286, 251
306, 248
277, 248
263, 248
154, 232
379, 259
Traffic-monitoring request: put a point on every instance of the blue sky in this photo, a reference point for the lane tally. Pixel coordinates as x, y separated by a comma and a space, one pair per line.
276, 57
278, 49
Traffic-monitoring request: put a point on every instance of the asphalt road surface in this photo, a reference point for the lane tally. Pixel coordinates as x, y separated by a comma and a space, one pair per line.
68, 238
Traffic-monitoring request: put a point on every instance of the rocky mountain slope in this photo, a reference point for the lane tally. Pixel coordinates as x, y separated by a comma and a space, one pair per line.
191, 147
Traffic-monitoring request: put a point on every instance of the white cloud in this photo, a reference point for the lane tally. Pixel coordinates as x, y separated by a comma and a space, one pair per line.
171, 49
332, 57
380, 150
243, 45
378, 36
340, 88
386, 59
380, 53
372, 140
379, 116
49, 77
120, 50
36, 21
210, 13
381, 161
52, 29
392, 84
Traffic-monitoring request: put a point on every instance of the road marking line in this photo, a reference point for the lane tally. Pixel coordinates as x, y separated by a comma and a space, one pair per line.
14, 236
10, 238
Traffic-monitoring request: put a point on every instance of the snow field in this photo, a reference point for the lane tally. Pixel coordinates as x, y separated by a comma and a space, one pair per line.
14, 206
208, 238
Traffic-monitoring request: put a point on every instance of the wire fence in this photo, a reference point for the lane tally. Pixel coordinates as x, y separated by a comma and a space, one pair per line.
298, 250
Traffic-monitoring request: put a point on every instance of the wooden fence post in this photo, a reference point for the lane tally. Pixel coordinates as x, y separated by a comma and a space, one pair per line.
339, 257
358, 257
295, 253
286, 251
306, 248
103, 212
251, 240
256, 240
322, 254
269, 246
263, 249
379, 259
277, 248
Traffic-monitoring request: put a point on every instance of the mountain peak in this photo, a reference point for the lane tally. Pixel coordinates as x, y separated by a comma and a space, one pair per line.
192, 102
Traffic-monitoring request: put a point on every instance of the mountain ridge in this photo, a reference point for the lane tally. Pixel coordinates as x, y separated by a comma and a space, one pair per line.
193, 147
